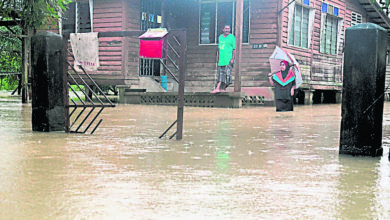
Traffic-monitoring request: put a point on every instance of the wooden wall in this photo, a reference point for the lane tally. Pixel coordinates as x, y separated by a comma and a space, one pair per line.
267, 27
132, 21
201, 59
263, 30
326, 69
110, 16
317, 68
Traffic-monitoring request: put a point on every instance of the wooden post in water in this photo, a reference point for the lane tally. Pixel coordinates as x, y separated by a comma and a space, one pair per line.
24, 79
363, 90
48, 110
182, 72
65, 39
239, 19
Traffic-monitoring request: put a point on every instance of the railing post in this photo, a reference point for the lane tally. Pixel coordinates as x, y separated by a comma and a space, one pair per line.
65, 39
24, 77
239, 19
182, 72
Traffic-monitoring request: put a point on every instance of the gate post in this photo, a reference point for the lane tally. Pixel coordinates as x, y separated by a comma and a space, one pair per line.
182, 75
48, 110
65, 88
363, 88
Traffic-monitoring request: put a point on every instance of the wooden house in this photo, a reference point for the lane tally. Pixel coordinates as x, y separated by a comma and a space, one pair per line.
312, 30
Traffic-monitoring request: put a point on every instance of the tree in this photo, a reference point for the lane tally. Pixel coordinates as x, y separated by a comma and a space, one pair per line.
31, 14
17, 17
386, 3
10, 56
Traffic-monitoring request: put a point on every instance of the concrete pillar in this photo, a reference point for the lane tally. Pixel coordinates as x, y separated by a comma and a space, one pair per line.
308, 97
363, 86
48, 110
338, 97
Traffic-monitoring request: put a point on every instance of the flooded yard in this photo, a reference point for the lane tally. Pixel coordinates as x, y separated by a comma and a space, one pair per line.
249, 163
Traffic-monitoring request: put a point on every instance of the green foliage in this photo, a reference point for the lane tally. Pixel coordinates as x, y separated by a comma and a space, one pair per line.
76, 88
10, 50
77, 99
9, 83
28, 14
32, 13
10, 56
387, 2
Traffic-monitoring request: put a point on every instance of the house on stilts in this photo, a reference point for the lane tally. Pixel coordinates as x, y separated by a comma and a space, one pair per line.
312, 30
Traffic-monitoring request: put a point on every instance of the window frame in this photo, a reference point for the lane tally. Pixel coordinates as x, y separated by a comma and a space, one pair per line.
309, 25
216, 20
312, 12
340, 24
90, 5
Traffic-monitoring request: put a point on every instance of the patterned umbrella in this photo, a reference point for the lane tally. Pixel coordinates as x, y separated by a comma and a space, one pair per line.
277, 56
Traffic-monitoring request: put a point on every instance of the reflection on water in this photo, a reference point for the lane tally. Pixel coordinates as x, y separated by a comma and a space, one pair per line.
250, 163
223, 140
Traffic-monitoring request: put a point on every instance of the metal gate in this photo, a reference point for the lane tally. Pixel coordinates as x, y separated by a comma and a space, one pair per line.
83, 109
81, 115
175, 65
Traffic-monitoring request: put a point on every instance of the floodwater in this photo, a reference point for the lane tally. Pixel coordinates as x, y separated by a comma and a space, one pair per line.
249, 163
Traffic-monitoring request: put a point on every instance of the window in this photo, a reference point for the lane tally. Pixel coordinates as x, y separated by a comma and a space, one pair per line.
330, 29
301, 22
83, 17
79, 17
329, 35
213, 15
356, 18
299, 32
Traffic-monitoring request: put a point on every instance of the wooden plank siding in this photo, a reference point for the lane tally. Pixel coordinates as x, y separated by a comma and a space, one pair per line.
322, 69
317, 68
120, 61
201, 59
263, 30
110, 16
132, 19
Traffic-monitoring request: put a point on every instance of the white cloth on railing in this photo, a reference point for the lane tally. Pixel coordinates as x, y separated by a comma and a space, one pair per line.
85, 47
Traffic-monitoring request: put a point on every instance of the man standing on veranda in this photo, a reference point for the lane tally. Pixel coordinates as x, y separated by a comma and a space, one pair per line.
226, 54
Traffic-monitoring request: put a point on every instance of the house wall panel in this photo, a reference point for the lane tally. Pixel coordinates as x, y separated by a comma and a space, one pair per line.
108, 16
263, 30
268, 28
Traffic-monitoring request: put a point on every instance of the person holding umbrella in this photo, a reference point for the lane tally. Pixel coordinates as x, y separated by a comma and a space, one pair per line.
284, 82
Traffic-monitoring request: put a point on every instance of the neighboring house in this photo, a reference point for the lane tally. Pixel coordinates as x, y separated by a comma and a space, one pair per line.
312, 30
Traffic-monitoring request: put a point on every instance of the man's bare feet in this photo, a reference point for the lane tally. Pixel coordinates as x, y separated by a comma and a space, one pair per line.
215, 91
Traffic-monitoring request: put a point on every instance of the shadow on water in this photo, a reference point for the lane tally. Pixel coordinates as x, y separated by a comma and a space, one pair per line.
232, 163
359, 181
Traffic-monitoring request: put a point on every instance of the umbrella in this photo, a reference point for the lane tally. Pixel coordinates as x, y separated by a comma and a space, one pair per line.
278, 55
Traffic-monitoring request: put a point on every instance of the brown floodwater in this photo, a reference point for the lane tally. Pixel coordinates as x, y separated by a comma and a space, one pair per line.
249, 163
